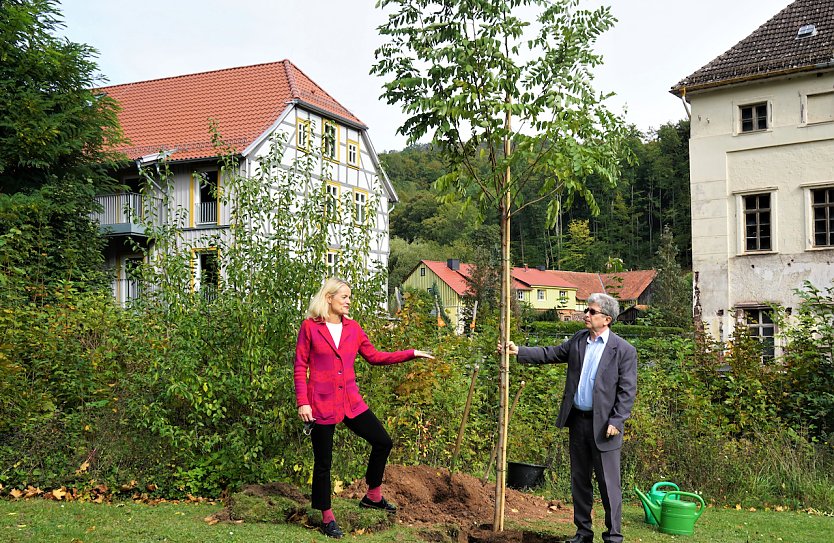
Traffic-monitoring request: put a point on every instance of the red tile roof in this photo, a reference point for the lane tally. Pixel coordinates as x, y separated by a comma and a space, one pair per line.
523, 278
628, 285
174, 113
541, 278
458, 279
586, 283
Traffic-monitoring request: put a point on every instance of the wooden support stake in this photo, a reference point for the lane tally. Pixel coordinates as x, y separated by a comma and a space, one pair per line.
456, 451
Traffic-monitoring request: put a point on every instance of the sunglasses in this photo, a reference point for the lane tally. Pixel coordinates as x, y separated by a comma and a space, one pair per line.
593, 311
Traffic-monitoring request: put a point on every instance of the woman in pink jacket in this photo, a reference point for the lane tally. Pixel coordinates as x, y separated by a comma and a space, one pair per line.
327, 394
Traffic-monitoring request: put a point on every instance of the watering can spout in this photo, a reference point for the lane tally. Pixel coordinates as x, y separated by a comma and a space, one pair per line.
652, 508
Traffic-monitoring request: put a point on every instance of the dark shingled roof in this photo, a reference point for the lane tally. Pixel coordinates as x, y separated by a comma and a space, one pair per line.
773, 49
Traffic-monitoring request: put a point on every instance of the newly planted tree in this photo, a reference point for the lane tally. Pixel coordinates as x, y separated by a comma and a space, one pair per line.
506, 83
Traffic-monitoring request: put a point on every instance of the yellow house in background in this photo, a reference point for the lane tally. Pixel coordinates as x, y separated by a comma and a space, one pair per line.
542, 290
539, 289
451, 281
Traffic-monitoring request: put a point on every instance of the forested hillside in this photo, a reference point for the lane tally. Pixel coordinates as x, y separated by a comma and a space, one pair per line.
652, 193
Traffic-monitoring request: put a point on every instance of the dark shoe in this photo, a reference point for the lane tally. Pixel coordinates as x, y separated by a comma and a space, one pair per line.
580, 539
331, 529
383, 505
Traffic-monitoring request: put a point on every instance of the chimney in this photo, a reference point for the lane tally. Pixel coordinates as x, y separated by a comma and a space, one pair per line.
453, 264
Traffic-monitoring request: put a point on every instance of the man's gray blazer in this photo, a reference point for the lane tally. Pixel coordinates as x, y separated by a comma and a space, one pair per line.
614, 389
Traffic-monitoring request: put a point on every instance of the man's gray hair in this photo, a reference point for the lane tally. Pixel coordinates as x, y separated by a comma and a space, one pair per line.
609, 305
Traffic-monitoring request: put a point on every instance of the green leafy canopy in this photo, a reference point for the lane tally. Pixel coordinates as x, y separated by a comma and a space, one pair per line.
53, 126
459, 67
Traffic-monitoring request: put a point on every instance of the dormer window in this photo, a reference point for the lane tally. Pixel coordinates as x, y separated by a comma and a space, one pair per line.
806, 31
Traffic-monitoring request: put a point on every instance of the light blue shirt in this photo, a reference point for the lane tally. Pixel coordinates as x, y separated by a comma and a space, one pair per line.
584, 397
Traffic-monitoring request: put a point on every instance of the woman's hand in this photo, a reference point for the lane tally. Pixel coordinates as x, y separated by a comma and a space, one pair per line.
306, 413
423, 354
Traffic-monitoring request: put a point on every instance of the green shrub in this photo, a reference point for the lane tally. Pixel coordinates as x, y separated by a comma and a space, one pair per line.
806, 398
186, 394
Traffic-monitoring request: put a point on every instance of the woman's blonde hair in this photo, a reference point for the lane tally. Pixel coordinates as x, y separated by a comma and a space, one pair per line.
319, 308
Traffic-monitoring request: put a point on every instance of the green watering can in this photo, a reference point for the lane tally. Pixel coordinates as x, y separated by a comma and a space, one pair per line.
675, 516
655, 496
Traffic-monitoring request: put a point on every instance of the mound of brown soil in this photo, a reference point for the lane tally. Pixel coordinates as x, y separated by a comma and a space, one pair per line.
444, 506
436, 496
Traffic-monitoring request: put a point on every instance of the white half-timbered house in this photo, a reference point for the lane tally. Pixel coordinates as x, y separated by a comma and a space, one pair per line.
169, 119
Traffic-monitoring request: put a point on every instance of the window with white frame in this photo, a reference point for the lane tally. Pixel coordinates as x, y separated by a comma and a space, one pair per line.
540, 294
131, 282
333, 263
758, 234
819, 108
353, 153
207, 273
360, 206
329, 140
822, 216
520, 295
331, 204
759, 321
753, 117
207, 193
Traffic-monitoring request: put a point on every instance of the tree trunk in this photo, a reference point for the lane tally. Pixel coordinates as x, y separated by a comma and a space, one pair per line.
504, 369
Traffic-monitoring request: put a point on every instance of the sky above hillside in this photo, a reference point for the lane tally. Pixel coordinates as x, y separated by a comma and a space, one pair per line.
653, 46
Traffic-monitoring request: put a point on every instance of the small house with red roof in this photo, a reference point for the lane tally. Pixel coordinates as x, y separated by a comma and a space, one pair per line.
170, 120
565, 293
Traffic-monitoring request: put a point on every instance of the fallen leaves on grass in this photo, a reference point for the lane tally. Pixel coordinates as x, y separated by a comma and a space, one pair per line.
57, 494
100, 493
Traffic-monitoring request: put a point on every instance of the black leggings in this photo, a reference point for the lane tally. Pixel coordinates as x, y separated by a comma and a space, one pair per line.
366, 426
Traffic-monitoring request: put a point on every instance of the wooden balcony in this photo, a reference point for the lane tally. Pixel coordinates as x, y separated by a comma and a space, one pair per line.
124, 214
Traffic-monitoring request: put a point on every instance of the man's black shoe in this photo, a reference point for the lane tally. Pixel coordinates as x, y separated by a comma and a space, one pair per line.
331, 529
580, 539
383, 505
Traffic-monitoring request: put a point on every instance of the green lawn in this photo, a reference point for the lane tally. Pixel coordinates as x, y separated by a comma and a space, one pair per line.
45, 521
732, 526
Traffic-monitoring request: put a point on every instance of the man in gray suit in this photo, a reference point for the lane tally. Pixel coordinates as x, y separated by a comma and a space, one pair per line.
599, 391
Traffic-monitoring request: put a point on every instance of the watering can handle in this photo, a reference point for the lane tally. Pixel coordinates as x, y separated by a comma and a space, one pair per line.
664, 483
691, 495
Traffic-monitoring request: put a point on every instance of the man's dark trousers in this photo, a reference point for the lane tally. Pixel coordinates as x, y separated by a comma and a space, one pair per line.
585, 459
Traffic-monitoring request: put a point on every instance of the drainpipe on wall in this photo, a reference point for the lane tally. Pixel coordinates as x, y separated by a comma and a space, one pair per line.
685, 105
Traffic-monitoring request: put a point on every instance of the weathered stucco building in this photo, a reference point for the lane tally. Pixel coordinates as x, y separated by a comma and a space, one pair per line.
762, 169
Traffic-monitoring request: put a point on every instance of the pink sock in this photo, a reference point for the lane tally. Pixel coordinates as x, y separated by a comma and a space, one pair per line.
327, 516
374, 494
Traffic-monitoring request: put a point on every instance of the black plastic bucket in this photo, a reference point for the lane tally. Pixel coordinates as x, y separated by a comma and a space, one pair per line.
521, 476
